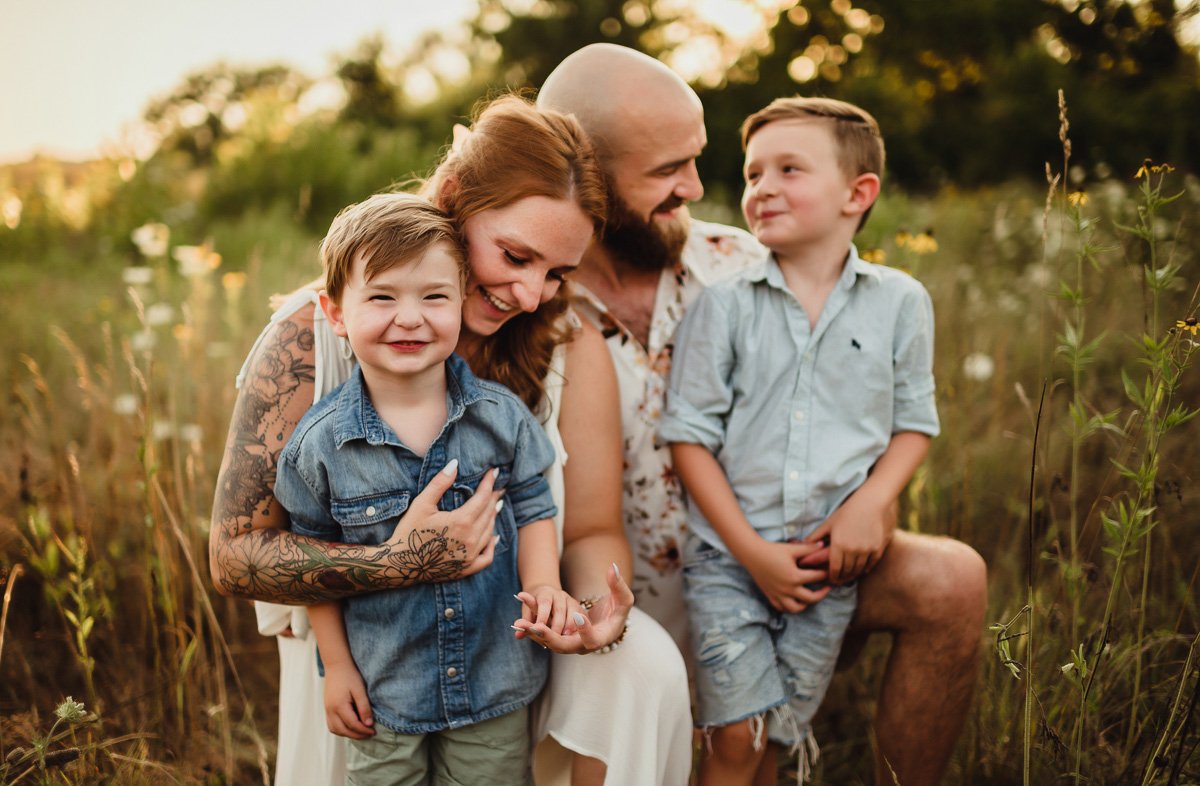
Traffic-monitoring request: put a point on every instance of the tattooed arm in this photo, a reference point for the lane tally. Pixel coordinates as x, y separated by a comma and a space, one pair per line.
251, 553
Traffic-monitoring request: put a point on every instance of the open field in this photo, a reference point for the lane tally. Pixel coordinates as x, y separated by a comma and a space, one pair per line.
1065, 318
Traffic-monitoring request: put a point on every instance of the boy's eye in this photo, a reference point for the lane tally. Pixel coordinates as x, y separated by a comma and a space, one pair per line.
380, 298
751, 177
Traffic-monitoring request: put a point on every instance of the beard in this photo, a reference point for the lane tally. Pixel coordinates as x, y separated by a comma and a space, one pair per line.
641, 244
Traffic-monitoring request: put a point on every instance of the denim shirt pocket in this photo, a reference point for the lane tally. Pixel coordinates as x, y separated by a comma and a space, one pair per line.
465, 485
371, 520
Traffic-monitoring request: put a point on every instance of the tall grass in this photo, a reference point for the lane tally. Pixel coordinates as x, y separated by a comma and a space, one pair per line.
119, 387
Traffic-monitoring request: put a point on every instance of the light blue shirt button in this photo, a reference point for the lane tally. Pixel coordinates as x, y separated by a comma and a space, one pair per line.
793, 475
799, 416
370, 510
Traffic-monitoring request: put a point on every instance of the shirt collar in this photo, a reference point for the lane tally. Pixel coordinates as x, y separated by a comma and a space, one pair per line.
854, 268
357, 418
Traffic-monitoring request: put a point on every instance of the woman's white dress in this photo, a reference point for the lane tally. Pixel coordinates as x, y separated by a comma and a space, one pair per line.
629, 707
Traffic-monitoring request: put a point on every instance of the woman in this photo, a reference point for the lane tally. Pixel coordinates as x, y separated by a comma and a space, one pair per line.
526, 190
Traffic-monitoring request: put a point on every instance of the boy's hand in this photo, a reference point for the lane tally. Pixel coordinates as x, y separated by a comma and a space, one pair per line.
589, 630
777, 570
550, 607
347, 711
859, 531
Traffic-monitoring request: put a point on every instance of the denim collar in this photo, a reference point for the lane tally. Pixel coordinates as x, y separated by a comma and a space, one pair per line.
855, 267
357, 418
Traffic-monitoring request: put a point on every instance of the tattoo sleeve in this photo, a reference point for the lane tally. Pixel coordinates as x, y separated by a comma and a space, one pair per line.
251, 553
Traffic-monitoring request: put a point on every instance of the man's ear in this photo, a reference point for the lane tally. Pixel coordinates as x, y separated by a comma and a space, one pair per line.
333, 312
864, 189
446, 192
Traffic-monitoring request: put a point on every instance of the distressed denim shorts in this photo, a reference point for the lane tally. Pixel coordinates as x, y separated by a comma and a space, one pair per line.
750, 658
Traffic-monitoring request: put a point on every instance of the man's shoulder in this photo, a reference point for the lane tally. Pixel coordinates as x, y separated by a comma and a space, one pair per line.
715, 252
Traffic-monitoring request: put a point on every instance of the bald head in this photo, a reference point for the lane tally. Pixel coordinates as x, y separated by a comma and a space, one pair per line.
614, 92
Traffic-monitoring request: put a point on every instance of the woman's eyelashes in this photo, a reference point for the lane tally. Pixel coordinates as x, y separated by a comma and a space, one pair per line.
514, 259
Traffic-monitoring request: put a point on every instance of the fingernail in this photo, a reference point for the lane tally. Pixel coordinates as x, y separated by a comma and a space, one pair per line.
496, 472
514, 627
618, 570
518, 599
579, 620
450, 468
499, 505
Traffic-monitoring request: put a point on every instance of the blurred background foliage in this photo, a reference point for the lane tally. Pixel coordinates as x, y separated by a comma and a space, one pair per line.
138, 282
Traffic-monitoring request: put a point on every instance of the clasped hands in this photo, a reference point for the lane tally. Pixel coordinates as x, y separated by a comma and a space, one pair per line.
559, 622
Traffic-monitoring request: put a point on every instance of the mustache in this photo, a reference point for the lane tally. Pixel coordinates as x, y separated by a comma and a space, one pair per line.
670, 203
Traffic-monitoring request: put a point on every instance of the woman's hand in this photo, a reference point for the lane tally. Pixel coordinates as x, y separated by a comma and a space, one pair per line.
464, 538
551, 607
347, 711
601, 625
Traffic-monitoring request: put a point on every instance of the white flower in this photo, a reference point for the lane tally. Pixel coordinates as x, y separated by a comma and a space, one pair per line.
151, 239
191, 432
160, 314
70, 710
125, 404
142, 341
978, 366
137, 276
196, 260
161, 430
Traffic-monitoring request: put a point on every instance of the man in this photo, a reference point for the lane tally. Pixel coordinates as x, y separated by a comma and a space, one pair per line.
930, 593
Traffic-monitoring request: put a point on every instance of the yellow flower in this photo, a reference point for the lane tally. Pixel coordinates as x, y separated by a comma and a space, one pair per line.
233, 281
876, 255
196, 260
1148, 169
183, 333
923, 243
1077, 198
902, 238
1189, 325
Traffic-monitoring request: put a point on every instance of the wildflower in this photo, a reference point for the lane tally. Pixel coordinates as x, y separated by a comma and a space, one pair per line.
142, 341
1077, 198
876, 255
137, 276
923, 243
196, 261
70, 710
191, 432
183, 333
902, 238
10, 210
978, 367
1148, 169
159, 314
233, 282
151, 239
162, 430
1189, 325
125, 404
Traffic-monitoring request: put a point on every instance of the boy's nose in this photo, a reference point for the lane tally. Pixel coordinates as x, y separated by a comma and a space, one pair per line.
407, 316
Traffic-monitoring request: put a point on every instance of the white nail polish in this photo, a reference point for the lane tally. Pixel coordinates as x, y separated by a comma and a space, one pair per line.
499, 505
579, 620
450, 468
618, 570
495, 473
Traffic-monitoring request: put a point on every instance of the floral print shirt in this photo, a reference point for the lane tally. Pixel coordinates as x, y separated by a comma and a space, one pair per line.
653, 507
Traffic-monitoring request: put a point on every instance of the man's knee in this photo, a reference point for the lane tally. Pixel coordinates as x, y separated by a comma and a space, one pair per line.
925, 581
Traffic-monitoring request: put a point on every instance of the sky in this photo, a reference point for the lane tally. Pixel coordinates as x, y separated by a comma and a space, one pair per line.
73, 73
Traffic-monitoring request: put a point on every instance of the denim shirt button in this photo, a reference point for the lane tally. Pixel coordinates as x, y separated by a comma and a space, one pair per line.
371, 510
449, 614
451, 672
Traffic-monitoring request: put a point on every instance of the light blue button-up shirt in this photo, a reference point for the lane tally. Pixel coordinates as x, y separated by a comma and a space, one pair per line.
433, 656
797, 416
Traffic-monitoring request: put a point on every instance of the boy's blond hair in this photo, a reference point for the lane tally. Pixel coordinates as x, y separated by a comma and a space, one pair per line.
390, 230
859, 143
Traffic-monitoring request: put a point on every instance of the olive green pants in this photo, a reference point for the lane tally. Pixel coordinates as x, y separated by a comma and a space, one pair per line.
495, 752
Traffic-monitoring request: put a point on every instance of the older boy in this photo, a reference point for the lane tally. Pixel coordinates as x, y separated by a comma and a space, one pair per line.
446, 679
800, 404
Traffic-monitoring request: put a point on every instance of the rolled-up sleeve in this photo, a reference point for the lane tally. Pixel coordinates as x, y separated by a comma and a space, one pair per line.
915, 408
306, 504
700, 394
528, 492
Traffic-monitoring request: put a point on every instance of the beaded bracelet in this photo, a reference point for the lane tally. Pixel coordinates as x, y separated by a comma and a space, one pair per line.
587, 604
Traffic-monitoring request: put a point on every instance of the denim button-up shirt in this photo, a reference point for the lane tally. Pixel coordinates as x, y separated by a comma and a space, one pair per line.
434, 656
797, 416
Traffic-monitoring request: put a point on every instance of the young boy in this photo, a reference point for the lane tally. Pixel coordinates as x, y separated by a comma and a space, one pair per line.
448, 684
800, 404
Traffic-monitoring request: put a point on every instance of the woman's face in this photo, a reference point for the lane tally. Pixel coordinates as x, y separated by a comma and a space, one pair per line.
518, 256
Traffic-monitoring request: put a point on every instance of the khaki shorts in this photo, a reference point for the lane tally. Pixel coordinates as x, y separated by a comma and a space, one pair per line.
495, 751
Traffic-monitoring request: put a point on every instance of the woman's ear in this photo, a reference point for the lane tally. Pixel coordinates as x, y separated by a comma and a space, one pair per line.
333, 312
445, 193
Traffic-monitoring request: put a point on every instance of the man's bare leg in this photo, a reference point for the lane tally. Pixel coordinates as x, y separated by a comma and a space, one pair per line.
931, 594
